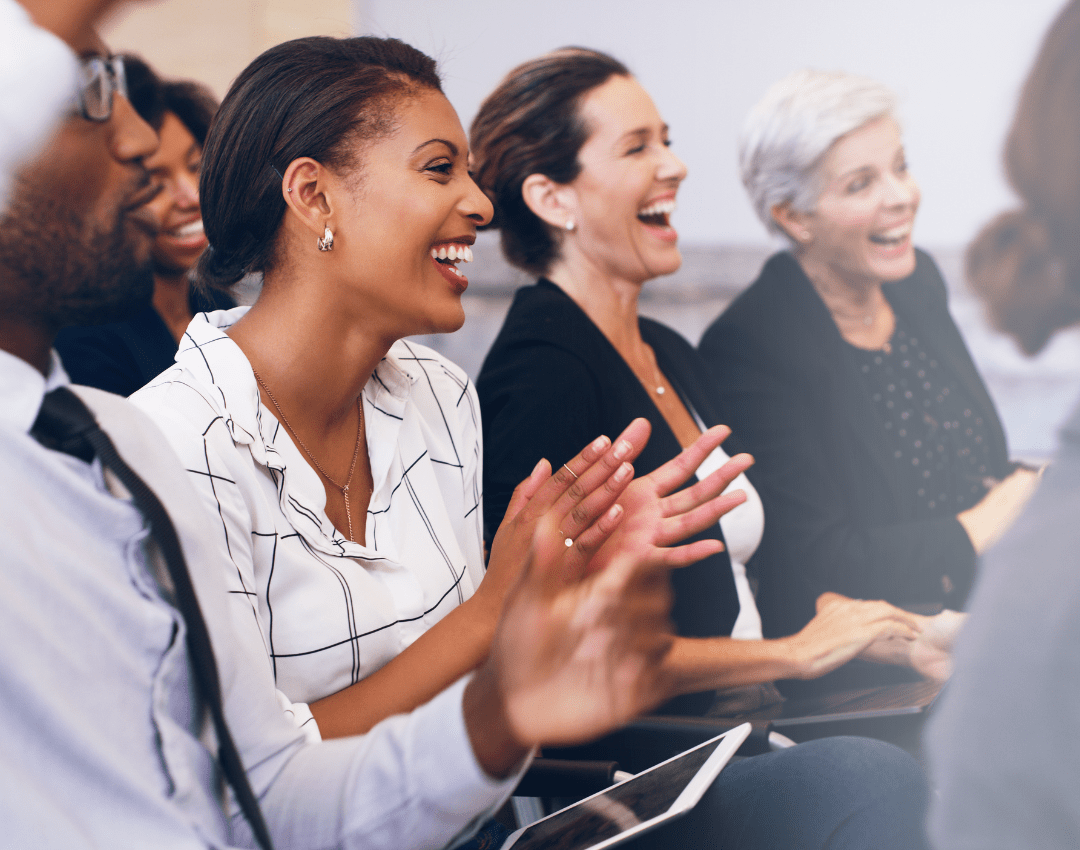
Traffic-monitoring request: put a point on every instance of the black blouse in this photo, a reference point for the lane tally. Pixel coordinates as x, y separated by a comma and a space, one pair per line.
936, 433
121, 357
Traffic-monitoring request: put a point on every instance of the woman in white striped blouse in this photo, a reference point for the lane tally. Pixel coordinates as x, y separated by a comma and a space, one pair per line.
344, 463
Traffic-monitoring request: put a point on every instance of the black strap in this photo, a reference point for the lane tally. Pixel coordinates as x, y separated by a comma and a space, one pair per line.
65, 424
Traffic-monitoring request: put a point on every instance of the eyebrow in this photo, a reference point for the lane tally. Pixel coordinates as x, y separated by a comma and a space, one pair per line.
453, 148
901, 153
854, 171
644, 131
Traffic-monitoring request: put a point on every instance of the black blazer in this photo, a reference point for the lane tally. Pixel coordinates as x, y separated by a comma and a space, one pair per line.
552, 382
839, 511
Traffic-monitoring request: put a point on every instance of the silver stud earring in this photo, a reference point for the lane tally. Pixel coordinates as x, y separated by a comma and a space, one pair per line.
570, 224
326, 241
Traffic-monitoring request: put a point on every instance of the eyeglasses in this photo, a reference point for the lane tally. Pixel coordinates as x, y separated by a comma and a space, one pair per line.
99, 79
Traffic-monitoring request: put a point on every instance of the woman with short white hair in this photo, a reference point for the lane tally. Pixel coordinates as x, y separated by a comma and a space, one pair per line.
880, 457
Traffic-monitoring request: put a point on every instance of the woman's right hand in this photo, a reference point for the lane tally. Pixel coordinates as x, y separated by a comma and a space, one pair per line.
842, 629
999, 508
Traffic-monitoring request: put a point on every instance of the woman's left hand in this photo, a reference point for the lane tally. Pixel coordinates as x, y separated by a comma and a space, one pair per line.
657, 519
578, 495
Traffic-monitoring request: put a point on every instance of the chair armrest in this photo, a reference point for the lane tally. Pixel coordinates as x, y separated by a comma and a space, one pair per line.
549, 777
682, 733
652, 739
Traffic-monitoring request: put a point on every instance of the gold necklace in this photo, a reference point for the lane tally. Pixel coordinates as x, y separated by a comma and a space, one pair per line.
344, 488
658, 376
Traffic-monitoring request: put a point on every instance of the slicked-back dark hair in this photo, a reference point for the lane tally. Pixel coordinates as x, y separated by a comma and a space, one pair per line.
314, 97
531, 124
154, 98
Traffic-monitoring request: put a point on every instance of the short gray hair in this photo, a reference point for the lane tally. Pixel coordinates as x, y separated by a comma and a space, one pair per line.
788, 132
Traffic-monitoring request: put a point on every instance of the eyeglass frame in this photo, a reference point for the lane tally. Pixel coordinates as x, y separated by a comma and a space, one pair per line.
95, 68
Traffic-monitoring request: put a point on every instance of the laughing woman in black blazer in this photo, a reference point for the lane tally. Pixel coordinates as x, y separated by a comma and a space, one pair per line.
575, 157
882, 463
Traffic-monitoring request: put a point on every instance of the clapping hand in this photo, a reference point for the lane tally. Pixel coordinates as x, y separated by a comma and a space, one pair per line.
580, 646
579, 498
574, 656
658, 517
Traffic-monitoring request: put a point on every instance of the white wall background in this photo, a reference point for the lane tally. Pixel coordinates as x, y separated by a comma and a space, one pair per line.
956, 64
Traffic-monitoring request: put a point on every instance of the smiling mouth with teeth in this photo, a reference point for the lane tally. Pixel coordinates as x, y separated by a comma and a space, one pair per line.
890, 238
192, 228
447, 255
657, 214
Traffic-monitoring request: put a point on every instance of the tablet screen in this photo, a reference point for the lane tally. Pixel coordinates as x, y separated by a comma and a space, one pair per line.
618, 808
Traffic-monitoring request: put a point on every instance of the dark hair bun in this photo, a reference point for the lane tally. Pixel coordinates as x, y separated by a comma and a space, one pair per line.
214, 271
1027, 288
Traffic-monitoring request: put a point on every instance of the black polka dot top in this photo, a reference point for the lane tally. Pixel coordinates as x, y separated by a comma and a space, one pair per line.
934, 429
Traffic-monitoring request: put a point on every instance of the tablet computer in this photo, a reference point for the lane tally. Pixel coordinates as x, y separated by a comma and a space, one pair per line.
634, 805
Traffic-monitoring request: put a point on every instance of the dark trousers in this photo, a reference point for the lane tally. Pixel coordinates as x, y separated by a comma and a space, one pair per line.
835, 793
830, 794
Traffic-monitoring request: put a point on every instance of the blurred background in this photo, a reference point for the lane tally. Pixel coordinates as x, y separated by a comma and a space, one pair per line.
956, 65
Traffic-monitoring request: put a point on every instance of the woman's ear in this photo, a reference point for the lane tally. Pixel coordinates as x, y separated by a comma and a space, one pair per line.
553, 203
308, 188
795, 224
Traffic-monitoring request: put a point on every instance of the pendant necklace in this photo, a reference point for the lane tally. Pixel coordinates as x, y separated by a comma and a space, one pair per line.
343, 488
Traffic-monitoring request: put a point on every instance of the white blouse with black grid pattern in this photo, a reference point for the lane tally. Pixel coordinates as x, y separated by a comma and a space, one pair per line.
331, 611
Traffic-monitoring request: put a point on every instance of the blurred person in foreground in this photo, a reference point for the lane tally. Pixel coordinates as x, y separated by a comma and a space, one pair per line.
105, 703
881, 460
1004, 747
37, 71
121, 356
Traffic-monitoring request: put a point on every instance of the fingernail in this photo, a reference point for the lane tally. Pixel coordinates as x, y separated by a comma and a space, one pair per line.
536, 468
622, 449
622, 473
599, 444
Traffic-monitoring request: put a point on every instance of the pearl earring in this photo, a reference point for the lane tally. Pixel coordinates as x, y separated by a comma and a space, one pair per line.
569, 224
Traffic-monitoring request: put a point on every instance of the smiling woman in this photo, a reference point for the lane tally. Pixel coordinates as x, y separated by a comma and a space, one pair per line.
880, 455
344, 462
122, 356
577, 159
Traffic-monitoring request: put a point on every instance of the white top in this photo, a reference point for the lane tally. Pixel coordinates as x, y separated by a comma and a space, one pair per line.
101, 740
742, 529
331, 611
